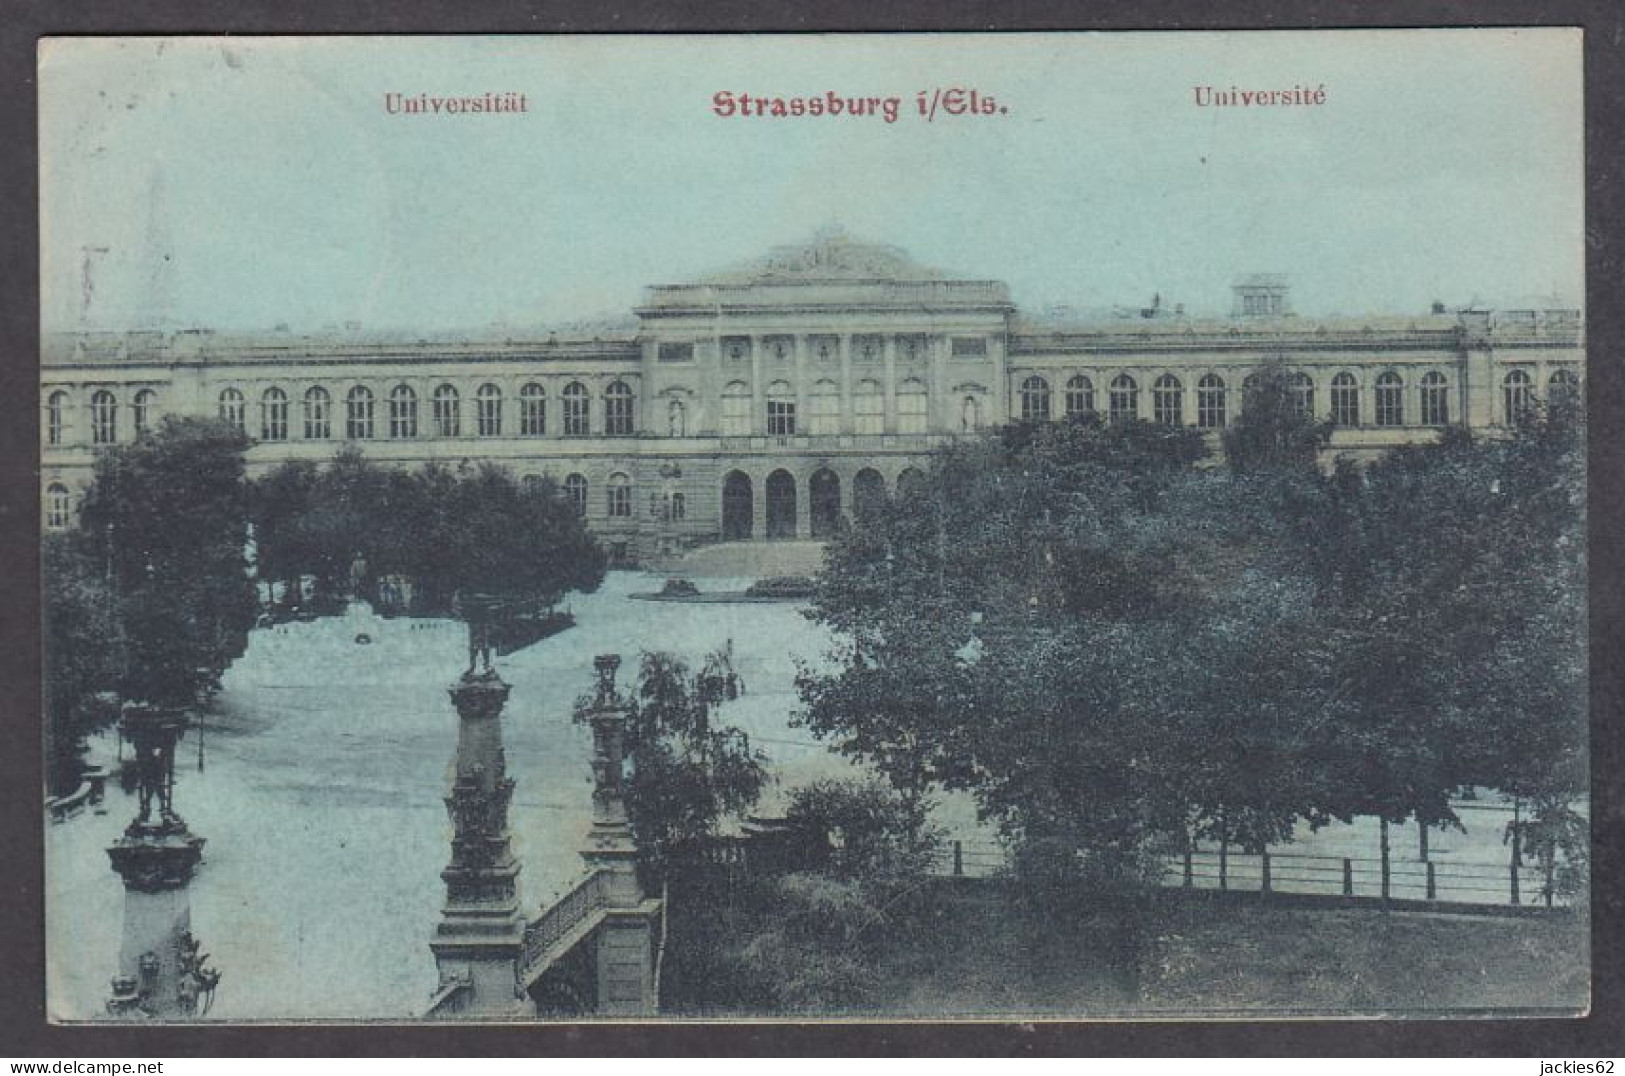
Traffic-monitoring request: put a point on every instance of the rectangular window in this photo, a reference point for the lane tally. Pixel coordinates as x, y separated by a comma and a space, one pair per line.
781, 418
318, 418
1435, 405
575, 415
676, 353
403, 417
868, 413
617, 414
970, 347
1390, 405
620, 502
1210, 408
532, 416
736, 415
488, 410
273, 420
358, 419
824, 415
1346, 405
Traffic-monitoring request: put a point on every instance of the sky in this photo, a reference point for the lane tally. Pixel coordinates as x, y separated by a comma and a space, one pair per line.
245, 183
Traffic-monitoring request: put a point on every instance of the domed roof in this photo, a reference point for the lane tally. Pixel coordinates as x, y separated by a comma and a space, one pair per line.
832, 255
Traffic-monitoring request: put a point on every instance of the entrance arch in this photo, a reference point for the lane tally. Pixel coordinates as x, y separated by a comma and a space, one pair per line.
824, 502
781, 505
868, 493
911, 482
737, 507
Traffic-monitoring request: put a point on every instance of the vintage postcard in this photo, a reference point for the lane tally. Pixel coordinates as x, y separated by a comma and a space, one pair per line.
901, 527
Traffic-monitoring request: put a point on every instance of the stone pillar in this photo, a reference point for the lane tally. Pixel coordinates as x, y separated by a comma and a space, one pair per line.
798, 345
758, 507
479, 939
625, 940
758, 391
843, 344
888, 356
162, 972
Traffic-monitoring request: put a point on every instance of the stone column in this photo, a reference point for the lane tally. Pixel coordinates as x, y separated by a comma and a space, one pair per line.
843, 344
888, 354
758, 391
162, 972
625, 943
758, 506
798, 343
480, 935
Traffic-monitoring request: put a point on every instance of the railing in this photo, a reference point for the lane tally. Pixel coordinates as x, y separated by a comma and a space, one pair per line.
1352, 876
543, 933
1304, 874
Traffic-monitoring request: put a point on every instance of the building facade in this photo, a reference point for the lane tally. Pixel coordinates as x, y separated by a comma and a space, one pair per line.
768, 401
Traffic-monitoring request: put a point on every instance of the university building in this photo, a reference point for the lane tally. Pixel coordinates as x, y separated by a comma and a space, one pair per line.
767, 401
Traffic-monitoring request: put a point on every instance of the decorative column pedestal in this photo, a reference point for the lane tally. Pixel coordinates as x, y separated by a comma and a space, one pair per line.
162, 972
479, 939
625, 942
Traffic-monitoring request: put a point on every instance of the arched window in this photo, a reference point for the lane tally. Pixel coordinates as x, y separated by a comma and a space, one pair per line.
1123, 400
970, 414
1345, 400
619, 496
1563, 388
781, 410
1168, 401
1517, 398
142, 408
824, 409
736, 410
488, 411
273, 415
58, 506
868, 408
403, 412
1210, 403
233, 409
318, 414
913, 406
618, 410
532, 410
56, 418
676, 418
1080, 396
1301, 391
575, 488
448, 412
1435, 399
1035, 400
576, 404
1390, 395
531, 482
358, 414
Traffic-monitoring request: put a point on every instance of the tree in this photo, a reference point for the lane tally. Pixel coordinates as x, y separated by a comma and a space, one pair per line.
473, 529
168, 518
1273, 430
688, 770
83, 650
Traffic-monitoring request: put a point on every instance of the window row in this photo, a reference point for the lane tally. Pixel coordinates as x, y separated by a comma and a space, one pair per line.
103, 414
1432, 398
397, 417
782, 417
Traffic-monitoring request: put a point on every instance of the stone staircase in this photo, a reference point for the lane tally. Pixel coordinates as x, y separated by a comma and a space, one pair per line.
745, 560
